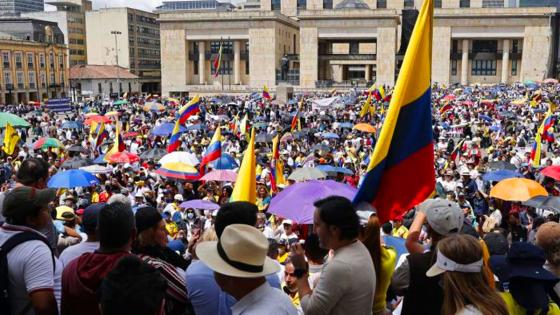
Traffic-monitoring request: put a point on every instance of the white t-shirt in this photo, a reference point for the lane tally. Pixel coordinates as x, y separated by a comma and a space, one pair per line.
30, 268
75, 251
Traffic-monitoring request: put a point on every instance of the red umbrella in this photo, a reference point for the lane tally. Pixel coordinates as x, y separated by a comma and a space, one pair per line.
552, 171
130, 134
97, 119
449, 97
468, 103
123, 157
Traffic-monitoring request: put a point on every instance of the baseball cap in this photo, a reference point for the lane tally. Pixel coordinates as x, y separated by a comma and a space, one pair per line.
178, 197
287, 221
444, 216
21, 197
89, 219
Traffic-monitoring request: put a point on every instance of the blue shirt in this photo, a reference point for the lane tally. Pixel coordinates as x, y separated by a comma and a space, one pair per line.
205, 294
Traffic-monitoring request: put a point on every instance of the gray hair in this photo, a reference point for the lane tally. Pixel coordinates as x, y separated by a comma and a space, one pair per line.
119, 198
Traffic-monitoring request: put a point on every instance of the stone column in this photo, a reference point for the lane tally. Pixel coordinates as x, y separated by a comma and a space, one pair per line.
505, 60
368, 72
237, 62
201, 62
465, 63
308, 56
386, 50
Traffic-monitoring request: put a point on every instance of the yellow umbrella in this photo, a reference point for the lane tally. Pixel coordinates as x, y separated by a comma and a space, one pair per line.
517, 189
365, 127
113, 113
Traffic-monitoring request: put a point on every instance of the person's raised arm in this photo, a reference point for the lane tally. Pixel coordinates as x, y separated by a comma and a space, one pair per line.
412, 244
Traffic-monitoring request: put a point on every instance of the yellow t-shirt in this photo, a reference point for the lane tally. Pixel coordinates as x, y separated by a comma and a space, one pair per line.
388, 262
172, 228
516, 309
295, 299
402, 231
282, 258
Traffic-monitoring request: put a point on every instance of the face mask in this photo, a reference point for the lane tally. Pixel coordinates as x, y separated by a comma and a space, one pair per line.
190, 216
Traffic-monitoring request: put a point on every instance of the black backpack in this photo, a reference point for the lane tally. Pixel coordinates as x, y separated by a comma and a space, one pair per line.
4, 250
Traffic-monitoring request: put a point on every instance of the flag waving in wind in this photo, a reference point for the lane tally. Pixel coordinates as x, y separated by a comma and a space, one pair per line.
100, 135
174, 140
276, 166
191, 108
266, 93
218, 62
119, 145
246, 186
295, 119
401, 172
365, 108
213, 151
11, 138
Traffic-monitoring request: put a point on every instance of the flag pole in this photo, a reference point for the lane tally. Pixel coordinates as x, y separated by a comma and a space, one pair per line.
229, 69
221, 73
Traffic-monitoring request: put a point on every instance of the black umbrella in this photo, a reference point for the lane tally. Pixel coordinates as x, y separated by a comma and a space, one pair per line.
76, 148
153, 154
501, 165
544, 202
76, 162
321, 147
263, 138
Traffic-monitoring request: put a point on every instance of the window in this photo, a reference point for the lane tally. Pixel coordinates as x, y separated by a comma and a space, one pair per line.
32, 79
485, 46
120, 87
275, 5
30, 60
62, 78
129, 87
382, 4
483, 67
225, 67
465, 3
43, 80
111, 87
454, 45
42, 60
514, 67
409, 4
492, 3
20, 81
19, 64
354, 48
6, 59
61, 61
301, 4
437, 3
99, 88
453, 67
227, 47
51, 60
52, 78
328, 4
7, 77
515, 46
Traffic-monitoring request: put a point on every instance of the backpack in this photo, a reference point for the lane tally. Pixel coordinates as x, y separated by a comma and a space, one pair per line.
5, 248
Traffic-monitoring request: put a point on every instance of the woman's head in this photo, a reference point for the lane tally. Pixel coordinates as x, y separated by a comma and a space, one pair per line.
151, 227
548, 238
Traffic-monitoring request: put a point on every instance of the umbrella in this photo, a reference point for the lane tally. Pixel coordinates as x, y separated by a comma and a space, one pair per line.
45, 142
72, 125
485, 117
13, 120
225, 162
71, 179
544, 202
100, 159
321, 147
334, 169
97, 119
263, 138
178, 170
221, 176
131, 134
517, 189
550, 81
329, 135
199, 204
76, 162
552, 171
195, 127
306, 173
346, 125
113, 113
153, 154
76, 148
179, 156
296, 201
97, 169
287, 137
120, 102
450, 97
154, 107
166, 129
501, 165
496, 176
123, 157
365, 127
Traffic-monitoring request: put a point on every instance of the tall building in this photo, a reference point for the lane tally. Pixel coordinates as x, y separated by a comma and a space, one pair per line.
345, 43
15, 7
129, 38
33, 63
71, 19
195, 5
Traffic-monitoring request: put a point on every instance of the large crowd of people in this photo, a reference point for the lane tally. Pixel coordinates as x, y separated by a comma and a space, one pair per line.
128, 245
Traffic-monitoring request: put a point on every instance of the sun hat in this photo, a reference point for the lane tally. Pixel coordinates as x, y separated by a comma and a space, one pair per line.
523, 260
241, 252
443, 216
444, 264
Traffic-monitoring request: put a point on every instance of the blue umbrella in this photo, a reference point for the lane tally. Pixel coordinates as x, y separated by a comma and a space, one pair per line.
327, 168
72, 178
344, 170
194, 127
225, 162
166, 129
485, 117
346, 125
496, 176
494, 128
72, 125
329, 135
100, 159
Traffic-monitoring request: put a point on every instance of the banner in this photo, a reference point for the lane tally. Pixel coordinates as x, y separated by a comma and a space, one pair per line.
59, 105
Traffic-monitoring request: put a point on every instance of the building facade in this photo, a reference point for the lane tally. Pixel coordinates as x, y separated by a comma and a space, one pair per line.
34, 61
100, 82
195, 5
129, 38
15, 7
343, 43
71, 19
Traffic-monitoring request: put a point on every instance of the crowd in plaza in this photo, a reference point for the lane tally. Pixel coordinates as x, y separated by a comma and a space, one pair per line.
152, 236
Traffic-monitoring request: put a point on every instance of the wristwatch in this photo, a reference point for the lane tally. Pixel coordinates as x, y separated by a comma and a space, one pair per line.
299, 273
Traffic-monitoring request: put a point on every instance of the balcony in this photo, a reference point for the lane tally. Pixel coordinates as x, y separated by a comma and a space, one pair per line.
292, 77
497, 54
30, 65
347, 84
52, 65
9, 86
19, 65
243, 55
6, 65
348, 57
42, 66
20, 86
294, 57
32, 86
515, 54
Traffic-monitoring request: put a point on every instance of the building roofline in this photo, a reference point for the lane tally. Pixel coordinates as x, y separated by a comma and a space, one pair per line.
188, 16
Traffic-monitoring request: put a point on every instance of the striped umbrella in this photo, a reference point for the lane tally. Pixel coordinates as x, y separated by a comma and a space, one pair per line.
45, 142
178, 170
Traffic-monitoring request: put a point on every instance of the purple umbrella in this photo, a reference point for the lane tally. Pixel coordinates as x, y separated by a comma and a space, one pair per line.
199, 204
296, 201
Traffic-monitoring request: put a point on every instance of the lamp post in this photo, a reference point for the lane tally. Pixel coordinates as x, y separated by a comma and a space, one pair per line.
117, 60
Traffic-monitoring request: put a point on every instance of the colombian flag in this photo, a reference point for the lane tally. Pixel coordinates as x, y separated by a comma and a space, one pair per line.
379, 93
536, 151
366, 107
191, 108
276, 166
213, 151
245, 188
118, 146
295, 119
174, 141
401, 171
11, 138
266, 94
218, 62
100, 134
548, 123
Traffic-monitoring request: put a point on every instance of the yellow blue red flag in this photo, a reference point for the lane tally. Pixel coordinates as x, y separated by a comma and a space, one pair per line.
266, 93
401, 172
175, 139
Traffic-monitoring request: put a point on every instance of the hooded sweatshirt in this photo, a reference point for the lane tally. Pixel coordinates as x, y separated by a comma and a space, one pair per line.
81, 279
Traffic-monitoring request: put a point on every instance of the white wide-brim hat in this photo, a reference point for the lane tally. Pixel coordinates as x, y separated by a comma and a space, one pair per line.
241, 252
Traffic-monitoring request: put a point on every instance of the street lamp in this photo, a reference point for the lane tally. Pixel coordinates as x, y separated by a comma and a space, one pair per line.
117, 59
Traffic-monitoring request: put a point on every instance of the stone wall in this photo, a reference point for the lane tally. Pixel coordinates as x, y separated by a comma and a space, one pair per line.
174, 65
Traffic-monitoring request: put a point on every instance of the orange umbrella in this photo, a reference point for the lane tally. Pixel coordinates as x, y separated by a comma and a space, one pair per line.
517, 189
365, 127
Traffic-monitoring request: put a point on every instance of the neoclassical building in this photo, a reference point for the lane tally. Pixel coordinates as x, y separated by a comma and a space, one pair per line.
314, 44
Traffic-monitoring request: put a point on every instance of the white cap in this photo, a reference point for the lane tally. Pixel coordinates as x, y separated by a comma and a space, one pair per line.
444, 264
287, 221
178, 197
139, 194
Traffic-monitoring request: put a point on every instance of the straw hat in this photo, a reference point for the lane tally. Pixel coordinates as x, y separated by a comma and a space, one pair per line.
240, 252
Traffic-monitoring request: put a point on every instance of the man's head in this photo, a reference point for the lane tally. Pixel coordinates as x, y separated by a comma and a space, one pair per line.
238, 212
289, 277
335, 220
90, 218
444, 217
34, 173
28, 206
287, 224
116, 228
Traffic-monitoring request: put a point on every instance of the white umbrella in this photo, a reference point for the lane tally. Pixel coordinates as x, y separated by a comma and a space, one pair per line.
97, 169
180, 156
